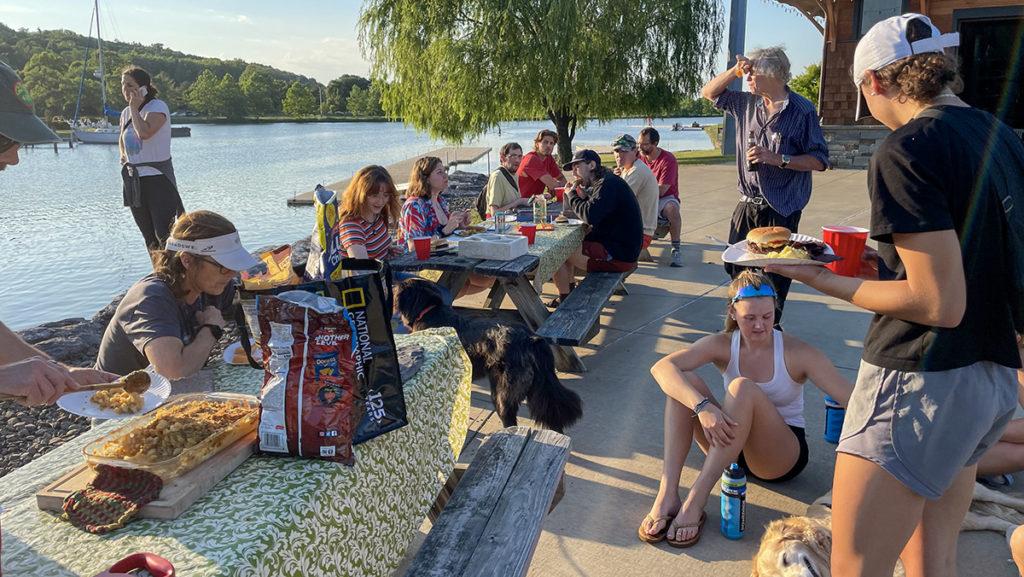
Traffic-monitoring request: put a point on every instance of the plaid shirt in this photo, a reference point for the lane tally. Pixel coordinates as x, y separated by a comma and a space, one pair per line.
794, 130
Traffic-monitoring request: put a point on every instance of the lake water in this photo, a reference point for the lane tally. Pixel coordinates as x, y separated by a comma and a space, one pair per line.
67, 245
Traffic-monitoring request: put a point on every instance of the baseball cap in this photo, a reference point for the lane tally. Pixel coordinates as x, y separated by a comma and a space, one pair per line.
226, 249
582, 155
889, 41
624, 142
18, 121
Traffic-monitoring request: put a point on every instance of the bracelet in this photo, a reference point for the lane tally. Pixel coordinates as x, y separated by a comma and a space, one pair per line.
701, 406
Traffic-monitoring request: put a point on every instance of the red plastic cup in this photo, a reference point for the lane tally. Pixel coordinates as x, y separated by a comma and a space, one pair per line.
529, 231
847, 242
422, 245
560, 193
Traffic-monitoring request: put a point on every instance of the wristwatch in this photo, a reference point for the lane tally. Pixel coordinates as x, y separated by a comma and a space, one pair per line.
785, 161
216, 331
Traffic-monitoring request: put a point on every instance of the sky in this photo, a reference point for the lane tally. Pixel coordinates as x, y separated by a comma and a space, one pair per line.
314, 38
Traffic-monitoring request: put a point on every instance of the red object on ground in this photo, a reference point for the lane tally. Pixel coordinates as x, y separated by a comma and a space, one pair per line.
156, 565
529, 231
422, 245
847, 242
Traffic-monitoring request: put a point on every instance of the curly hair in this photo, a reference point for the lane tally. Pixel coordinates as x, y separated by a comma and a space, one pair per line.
922, 77
193, 225
419, 178
746, 278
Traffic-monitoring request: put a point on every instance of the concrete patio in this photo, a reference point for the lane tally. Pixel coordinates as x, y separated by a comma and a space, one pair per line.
612, 473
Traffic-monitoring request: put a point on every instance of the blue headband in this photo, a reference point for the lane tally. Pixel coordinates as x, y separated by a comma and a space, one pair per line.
750, 291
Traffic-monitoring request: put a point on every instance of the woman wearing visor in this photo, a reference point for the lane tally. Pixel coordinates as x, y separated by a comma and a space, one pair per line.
760, 420
172, 318
936, 385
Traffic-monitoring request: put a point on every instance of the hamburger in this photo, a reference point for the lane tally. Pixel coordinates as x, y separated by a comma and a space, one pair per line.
776, 242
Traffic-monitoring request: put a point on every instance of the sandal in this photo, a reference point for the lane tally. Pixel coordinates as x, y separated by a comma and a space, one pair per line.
684, 543
654, 537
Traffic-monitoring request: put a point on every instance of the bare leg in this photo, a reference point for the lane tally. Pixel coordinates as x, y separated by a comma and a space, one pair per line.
564, 276
931, 550
675, 220
476, 283
873, 517
769, 445
1002, 458
1017, 548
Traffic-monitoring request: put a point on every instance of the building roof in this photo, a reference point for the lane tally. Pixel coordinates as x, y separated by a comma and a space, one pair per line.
811, 9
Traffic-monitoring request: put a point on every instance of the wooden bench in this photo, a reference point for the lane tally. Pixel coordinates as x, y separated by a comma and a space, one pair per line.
492, 522
572, 323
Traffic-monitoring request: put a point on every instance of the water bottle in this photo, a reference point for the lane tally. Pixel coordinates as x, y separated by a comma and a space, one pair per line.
834, 416
752, 166
540, 210
499, 221
734, 502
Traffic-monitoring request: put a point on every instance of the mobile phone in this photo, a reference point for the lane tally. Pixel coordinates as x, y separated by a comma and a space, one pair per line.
143, 91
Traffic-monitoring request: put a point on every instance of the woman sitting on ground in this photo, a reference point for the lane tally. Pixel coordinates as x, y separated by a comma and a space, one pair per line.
426, 213
172, 318
760, 421
1007, 455
368, 207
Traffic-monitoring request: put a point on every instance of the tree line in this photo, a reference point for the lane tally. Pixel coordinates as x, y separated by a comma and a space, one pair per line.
51, 62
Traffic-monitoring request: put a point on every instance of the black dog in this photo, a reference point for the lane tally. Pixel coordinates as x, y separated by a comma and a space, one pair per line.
518, 363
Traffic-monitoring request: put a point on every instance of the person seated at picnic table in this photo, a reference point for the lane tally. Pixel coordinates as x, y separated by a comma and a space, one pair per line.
426, 213
30, 374
539, 169
502, 192
608, 206
641, 181
173, 317
368, 207
760, 421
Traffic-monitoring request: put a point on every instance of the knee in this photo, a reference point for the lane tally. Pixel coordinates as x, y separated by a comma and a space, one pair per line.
742, 387
672, 210
1017, 544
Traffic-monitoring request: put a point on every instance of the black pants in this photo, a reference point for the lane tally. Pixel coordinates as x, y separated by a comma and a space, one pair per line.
748, 216
161, 204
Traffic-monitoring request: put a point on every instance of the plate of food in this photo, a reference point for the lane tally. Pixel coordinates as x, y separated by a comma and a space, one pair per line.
470, 230
778, 245
118, 403
562, 219
234, 354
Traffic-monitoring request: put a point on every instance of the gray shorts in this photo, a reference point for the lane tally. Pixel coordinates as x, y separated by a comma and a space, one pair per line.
924, 427
665, 201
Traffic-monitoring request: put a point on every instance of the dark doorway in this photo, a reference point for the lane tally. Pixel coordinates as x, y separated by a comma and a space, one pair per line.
992, 61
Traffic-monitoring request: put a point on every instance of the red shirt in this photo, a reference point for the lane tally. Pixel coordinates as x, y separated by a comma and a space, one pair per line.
531, 169
666, 170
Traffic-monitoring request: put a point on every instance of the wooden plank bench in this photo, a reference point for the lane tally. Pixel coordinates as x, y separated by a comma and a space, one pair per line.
492, 522
571, 324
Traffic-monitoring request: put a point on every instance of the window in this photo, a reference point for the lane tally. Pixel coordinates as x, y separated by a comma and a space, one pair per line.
990, 55
874, 11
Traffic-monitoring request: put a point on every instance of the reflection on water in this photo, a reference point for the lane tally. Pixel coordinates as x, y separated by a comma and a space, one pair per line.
67, 246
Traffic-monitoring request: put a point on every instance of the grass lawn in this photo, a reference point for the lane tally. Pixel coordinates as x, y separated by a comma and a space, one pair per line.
686, 157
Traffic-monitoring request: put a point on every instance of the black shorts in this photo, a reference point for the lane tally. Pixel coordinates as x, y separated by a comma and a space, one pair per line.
801, 460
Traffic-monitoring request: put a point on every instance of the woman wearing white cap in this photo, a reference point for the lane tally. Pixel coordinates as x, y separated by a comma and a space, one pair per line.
172, 318
936, 386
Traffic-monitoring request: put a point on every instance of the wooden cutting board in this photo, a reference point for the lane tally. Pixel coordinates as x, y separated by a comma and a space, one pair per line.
175, 497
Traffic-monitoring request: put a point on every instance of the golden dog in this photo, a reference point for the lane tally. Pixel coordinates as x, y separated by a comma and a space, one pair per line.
794, 547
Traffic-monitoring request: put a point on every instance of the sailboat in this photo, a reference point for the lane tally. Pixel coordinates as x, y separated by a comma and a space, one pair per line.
102, 131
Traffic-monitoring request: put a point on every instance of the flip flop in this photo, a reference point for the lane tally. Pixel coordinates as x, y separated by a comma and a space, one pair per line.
684, 543
656, 537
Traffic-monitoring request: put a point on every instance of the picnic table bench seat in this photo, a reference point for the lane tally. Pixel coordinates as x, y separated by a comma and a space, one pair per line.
491, 523
572, 322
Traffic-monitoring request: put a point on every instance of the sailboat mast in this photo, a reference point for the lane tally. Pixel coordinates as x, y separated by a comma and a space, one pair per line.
99, 48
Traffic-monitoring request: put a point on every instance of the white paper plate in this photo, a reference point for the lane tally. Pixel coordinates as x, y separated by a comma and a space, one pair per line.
571, 222
229, 353
79, 404
739, 255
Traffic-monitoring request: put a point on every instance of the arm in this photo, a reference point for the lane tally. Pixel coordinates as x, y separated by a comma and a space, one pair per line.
934, 293
145, 126
717, 85
357, 251
551, 182
675, 375
820, 370
801, 163
173, 359
13, 349
592, 209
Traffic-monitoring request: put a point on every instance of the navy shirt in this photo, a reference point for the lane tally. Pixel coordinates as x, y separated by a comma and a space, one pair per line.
794, 130
611, 208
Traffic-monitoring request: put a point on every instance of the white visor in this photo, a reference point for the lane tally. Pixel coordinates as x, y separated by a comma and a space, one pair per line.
227, 250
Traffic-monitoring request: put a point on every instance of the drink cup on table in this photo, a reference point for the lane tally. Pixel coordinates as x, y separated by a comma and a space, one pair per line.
529, 230
422, 246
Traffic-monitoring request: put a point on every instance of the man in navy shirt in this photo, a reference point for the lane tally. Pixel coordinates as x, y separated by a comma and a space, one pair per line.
788, 145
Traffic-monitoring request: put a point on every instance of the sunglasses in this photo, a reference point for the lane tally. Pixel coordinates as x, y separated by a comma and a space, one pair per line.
220, 268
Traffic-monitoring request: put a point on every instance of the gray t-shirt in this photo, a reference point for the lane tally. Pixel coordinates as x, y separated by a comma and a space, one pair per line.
150, 311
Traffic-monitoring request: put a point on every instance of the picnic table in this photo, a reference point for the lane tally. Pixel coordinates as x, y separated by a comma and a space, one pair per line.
545, 256
273, 516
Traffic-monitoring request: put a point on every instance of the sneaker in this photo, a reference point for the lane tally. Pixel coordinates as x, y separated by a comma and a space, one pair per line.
677, 258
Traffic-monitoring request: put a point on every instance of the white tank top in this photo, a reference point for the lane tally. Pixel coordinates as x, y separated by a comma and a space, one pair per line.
786, 394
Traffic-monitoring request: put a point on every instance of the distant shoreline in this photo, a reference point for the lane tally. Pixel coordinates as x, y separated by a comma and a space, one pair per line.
183, 120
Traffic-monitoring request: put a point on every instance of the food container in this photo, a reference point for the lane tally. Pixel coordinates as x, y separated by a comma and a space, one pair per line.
96, 454
493, 246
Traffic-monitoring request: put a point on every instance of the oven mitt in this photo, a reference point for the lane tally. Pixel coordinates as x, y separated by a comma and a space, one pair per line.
111, 499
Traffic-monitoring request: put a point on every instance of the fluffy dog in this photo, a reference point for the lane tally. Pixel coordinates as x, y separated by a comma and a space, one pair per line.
518, 363
794, 547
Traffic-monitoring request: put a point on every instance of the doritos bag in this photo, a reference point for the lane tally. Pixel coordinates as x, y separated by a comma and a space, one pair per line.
324, 248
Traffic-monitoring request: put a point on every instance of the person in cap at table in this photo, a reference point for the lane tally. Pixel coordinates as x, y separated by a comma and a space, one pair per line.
789, 145
502, 192
640, 180
19, 124
607, 204
936, 386
666, 170
173, 317
538, 170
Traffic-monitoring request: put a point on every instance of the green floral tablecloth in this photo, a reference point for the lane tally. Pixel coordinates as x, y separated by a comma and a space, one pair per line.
553, 248
273, 516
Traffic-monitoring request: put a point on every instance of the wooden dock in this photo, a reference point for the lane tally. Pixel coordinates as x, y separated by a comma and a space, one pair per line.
450, 155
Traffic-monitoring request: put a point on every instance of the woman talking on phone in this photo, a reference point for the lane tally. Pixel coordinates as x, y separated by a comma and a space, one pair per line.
145, 142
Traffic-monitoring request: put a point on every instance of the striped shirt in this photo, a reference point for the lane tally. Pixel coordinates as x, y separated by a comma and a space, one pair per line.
374, 236
794, 130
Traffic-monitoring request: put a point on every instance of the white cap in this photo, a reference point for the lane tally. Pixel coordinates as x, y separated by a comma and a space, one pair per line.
886, 42
227, 250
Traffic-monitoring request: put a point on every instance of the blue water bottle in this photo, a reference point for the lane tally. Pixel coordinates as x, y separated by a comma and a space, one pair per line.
834, 416
734, 502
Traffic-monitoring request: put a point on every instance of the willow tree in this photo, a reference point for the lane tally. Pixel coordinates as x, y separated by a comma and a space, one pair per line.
455, 68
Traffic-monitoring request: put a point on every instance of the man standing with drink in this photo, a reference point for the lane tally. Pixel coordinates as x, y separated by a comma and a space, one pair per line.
780, 133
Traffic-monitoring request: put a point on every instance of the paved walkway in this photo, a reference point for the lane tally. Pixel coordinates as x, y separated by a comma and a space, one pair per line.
613, 471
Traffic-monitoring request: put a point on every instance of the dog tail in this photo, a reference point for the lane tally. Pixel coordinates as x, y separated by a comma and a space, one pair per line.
551, 403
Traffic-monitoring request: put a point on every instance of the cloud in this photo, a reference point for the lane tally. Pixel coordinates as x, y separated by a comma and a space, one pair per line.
15, 9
